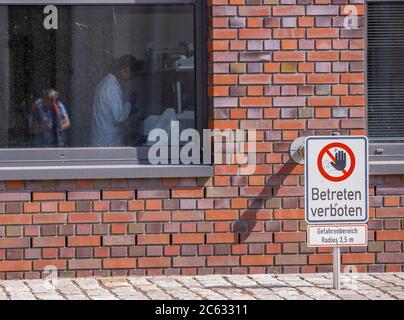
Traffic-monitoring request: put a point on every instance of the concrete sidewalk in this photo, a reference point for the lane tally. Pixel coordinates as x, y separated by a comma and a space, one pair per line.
215, 287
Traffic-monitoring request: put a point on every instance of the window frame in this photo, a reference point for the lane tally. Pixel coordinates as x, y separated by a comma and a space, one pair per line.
104, 163
385, 158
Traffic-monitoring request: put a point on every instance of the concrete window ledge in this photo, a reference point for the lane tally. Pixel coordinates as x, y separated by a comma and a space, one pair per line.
386, 167
104, 172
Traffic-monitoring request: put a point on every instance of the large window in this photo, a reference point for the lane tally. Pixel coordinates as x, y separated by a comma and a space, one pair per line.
85, 78
385, 84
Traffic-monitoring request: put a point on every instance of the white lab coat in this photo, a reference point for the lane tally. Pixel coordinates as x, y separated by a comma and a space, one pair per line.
109, 114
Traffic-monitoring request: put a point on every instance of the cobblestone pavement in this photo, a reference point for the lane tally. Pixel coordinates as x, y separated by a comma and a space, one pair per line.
214, 287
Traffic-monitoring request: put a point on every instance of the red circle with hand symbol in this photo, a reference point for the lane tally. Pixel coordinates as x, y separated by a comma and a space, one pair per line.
339, 161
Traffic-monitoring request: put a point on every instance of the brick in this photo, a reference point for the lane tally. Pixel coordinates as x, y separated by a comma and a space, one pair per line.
124, 240
224, 34
257, 260
189, 262
119, 217
217, 261
14, 196
149, 239
254, 79
84, 241
193, 238
322, 56
289, 67
83, 195
323, 124
14, 266
44, 264
151, 216
100, 205
322, 78
319, 10
288, 33
289, 124
290, 191
224, 79
290, 259
352, 56
188, 193
119, 263
256, 237
10, 243
255, 102
251, 11
289, 56
221, 215
350, 258
154, 262
288, 11
320, 259
15, 219
78, 217
288, 79
49, 218
254, 33
66, 206
136, 205
48, 242
289, 214
389, 235
289, 102
222, 238
351, 101
353, 78
187, 215
118, 194
153, 194
390, 212
323, 101
84, 264
13, 231
290, 237
218, 192
255, 58
48, 196
390, 257
153, 204
31, 207
322, 33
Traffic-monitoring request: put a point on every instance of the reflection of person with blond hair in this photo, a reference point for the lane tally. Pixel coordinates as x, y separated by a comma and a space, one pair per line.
48, 120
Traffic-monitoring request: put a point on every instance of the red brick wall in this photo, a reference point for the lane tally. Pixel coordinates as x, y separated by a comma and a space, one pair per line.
287, 70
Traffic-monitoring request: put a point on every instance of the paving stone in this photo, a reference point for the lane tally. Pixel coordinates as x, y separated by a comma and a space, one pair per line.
149, 289
196, 287
212, 287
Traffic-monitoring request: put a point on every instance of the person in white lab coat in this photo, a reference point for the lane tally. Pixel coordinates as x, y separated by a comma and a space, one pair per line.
110, 110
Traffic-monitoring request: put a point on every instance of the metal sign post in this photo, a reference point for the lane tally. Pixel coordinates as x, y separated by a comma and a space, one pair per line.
337, 268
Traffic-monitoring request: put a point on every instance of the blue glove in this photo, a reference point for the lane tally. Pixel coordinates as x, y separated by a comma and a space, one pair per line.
132, 99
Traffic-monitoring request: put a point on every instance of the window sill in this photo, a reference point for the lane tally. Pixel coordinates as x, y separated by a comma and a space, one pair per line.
386, 167
104, 172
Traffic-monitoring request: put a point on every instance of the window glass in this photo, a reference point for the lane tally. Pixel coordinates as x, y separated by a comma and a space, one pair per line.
94, 76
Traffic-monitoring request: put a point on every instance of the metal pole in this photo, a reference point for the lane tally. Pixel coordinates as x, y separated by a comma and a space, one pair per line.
337, 268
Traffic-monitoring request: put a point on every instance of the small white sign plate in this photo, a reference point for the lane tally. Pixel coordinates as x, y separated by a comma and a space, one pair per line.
337, 236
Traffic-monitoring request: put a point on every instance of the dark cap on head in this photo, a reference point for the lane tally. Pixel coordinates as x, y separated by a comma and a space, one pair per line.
125, 61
